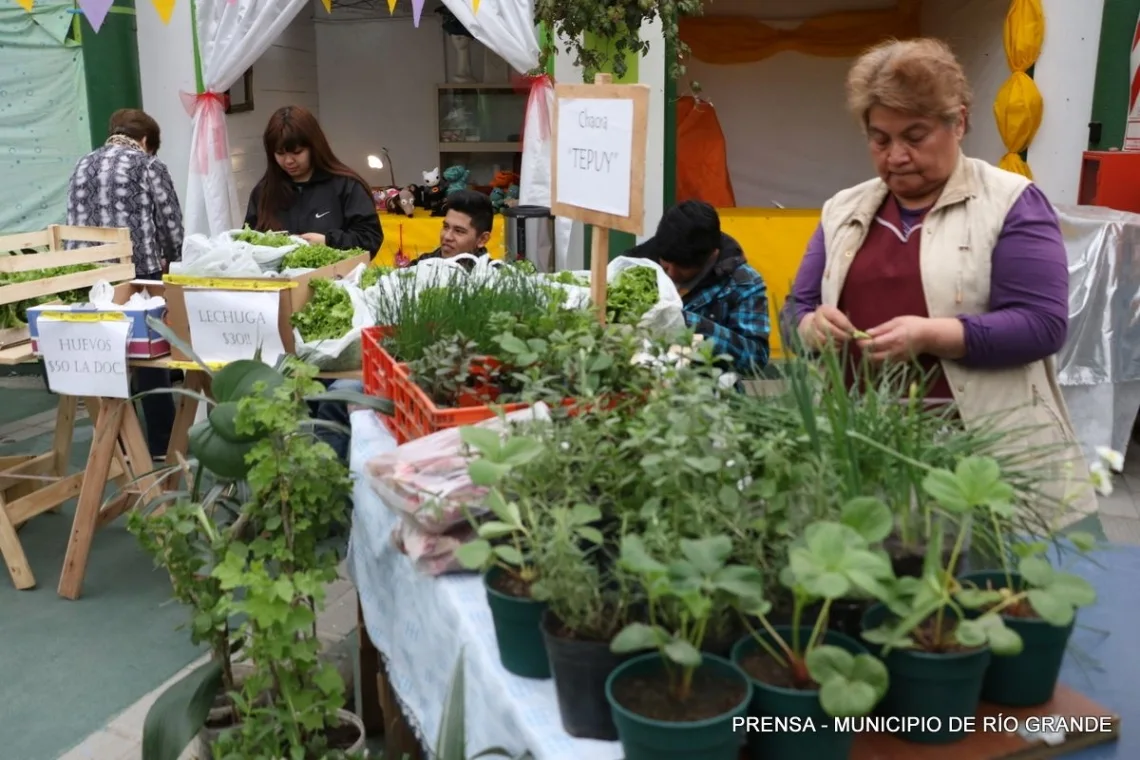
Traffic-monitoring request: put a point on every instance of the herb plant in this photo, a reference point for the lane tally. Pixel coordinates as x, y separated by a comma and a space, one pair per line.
699, 582
832, 560
444, 371
929, 613
510, 540
328, 314
372, 275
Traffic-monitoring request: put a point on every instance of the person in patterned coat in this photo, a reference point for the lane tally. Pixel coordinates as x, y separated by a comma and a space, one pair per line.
124, 184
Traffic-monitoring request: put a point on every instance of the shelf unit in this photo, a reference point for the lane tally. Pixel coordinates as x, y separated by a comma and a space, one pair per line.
478, 120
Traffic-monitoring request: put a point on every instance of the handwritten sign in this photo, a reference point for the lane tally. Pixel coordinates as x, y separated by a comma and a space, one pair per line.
228, 325
598, 162
595, 142
85, 357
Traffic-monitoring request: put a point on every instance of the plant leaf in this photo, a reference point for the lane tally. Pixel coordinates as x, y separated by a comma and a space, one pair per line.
1084, 542
1073, 589
180, 712
451, 744
375, 403
495, 529
1037, 571
486, 473
740, 581
971, 633
510, 555
637, 637
474, 555
1051, 609
869, 517
683, 653
707, 554
236, 380
1004, 641
827, 662
483, 440
943, 487
842, 698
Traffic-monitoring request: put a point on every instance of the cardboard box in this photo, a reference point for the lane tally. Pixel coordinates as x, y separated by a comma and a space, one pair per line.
144, 341
292, 299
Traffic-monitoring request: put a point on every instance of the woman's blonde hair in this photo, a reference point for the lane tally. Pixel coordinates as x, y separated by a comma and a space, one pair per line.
920, 76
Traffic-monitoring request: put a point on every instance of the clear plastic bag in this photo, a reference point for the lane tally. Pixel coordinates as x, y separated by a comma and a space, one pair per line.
431, 553
425, 481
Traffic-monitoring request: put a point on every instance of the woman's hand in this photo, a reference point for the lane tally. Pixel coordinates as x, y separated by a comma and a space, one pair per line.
313, 238
826, 325
900, 339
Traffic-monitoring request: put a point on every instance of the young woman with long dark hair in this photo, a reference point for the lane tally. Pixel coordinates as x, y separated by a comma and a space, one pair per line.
308, 191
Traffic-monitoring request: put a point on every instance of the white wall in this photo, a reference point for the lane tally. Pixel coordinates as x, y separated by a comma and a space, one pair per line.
285, 75
651, 71
790, 138
378, 82
1065, 74
166, 69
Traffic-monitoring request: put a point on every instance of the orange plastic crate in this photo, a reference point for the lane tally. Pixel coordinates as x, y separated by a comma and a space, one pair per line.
379, 368
417, 415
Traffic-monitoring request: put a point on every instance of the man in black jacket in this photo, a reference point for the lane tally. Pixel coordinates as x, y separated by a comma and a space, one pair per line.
466, 227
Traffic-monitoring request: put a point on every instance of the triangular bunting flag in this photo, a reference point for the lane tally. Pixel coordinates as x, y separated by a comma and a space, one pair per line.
328, 5
474, 6
27, 4
392, 6
165, 9
417, 11
96, 11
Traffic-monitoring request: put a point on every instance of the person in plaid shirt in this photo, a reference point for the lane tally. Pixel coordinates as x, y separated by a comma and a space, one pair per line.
725, 299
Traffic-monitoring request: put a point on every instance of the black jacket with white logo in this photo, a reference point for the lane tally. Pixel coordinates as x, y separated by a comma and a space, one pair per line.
337, 207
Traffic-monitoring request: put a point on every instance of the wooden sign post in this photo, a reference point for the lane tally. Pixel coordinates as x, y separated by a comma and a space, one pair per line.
598, 165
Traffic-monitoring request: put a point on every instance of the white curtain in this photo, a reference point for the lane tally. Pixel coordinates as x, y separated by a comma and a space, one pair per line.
232, 35
507, 28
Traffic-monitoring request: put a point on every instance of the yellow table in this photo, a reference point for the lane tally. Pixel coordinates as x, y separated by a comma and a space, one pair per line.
774, 241
418, 235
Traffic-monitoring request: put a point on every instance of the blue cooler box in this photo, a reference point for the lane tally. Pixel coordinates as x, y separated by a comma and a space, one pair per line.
144, 343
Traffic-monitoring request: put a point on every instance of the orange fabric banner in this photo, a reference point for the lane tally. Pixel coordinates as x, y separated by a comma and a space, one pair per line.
702, 155
725, 40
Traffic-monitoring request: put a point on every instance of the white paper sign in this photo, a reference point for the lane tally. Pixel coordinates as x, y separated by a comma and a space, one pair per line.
595, 154
85, 358
227, 325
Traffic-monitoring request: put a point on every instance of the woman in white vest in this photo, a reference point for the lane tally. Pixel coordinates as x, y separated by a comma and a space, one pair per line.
945, 259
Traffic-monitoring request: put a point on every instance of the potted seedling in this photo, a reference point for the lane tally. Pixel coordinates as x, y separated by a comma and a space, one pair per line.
1037, 602
678, 696
588, 601
806, 674
504, 551
936, 653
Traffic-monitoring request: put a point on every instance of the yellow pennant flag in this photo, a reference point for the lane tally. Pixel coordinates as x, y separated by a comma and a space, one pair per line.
328, 5
165, 9
474, 6
392, 6
27, 4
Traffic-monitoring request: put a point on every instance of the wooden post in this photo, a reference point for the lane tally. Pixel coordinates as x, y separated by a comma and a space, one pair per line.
599, 133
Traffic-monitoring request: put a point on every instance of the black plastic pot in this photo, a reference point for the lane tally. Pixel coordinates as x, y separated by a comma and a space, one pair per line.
1027, 679
580, 669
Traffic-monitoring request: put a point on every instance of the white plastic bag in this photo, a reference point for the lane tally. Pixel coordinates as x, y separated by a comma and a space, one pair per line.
667, 316
216, 257
425, 481
267, 257
338, 354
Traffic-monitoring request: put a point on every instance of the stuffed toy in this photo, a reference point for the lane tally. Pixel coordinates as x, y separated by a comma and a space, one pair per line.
402, 202
431, 195
512, 199
456, 177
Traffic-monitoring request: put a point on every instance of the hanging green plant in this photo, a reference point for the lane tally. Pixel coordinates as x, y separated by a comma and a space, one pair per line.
618, 22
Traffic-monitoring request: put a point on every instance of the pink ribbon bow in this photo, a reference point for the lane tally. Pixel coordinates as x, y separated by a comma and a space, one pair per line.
211, 128
538, 86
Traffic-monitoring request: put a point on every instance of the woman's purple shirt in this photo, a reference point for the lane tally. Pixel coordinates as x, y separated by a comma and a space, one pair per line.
1028, 318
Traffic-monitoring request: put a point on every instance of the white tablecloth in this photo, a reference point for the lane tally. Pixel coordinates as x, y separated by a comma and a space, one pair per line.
420, 624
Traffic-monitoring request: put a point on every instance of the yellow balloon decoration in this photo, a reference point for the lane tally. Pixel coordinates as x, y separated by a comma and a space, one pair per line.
1019, 107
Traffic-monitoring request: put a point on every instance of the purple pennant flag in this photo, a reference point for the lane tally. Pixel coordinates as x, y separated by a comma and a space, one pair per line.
96, 11
417, 11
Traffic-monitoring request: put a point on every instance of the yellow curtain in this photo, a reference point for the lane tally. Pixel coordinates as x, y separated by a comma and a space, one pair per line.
1019, 106
726, 40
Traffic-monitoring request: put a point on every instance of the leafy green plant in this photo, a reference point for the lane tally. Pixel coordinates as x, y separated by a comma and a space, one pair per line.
317, 256
16, 314
631, 294
266, 239
701, 581
327, 315
508, 541
830, 562
372, 275
618, 24
930, 613
1039, 591
445, 369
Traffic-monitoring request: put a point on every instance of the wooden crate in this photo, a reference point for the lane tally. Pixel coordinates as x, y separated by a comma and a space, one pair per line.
113, 251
